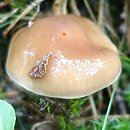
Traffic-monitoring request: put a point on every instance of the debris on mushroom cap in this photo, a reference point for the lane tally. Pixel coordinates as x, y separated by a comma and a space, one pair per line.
63, 57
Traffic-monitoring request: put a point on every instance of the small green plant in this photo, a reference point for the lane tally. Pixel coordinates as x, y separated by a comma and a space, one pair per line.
7, 116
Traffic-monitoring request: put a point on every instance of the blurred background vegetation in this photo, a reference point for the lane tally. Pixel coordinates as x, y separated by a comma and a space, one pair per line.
42, 113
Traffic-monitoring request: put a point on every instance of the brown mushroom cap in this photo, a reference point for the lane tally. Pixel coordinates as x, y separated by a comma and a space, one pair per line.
64, 57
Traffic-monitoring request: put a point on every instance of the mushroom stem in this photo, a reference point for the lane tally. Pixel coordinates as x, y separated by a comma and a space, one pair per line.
59, 7
100, 99
74, 8
94, 110
101, 26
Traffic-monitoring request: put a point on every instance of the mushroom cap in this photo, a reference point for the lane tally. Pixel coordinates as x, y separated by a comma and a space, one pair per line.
63, 57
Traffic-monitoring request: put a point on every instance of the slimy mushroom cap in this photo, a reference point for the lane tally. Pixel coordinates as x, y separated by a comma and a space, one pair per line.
63, 57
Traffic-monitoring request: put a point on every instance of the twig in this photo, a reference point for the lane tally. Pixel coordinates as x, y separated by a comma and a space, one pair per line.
74, 7
31, 107
109, 90
111, 30
64, 7
121, 44
31, 20
26, 11
101, 14
94, 110
57, 7
89, 10
8, 15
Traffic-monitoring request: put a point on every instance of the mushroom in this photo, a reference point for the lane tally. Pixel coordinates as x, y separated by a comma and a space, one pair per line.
64, 57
